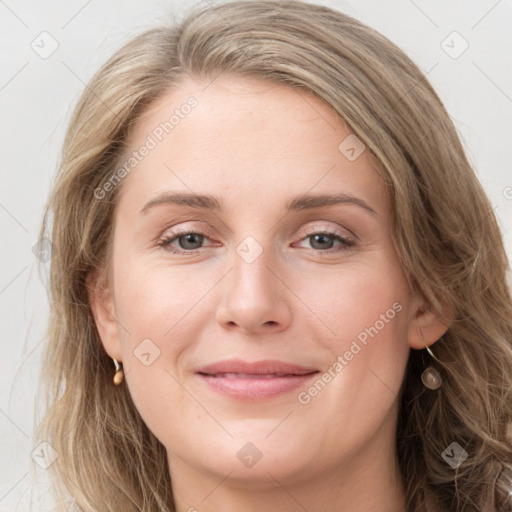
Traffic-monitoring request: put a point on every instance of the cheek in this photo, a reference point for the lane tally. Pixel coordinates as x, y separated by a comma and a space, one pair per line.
364, 317
157, 300
158, 310
357, 300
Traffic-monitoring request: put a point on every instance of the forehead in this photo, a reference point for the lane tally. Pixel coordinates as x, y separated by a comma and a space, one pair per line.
249, 135
244, 92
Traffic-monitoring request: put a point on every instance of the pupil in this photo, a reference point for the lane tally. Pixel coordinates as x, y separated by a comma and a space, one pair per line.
320, 238
186, 239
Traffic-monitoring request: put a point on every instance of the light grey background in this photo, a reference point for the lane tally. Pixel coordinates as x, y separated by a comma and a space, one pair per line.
37, 95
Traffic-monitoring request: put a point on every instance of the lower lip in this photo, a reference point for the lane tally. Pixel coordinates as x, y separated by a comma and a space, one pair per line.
255, 389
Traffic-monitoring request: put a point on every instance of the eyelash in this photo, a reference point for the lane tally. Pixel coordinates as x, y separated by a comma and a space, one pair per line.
165, 243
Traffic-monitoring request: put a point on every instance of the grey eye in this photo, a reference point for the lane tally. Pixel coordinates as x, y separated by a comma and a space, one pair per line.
322, 240
190, 241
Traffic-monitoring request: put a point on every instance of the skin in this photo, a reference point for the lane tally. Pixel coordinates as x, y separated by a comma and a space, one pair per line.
256, 146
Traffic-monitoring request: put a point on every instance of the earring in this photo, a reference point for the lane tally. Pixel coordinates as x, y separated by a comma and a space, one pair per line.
430, 376
119, 375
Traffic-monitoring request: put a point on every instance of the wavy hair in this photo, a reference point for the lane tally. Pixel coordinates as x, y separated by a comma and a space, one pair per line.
444, 231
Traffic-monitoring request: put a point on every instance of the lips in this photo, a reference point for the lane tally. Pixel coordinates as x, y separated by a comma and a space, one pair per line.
237, 367
241, 380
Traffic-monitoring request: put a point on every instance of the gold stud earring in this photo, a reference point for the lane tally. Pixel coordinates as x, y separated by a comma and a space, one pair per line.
119, 375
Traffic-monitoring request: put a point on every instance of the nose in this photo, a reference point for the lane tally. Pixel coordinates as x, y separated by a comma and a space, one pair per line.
255, 299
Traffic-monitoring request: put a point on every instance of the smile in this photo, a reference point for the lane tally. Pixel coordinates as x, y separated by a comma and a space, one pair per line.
240, 380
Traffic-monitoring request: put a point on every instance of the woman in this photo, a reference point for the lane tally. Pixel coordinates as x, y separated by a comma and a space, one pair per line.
205, 352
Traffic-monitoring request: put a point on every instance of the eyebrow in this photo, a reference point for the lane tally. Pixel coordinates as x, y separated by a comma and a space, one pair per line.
302, 202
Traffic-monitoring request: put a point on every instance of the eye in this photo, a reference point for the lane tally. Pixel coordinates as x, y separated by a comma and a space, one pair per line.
323, 241
188, 242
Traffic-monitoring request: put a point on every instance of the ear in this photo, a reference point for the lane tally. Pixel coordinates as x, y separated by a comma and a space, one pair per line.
101, 299
427, 325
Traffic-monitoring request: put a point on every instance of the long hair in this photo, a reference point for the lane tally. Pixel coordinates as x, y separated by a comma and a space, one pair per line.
444, 231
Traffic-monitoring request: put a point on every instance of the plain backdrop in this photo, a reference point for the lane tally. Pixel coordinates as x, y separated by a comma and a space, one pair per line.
38, 92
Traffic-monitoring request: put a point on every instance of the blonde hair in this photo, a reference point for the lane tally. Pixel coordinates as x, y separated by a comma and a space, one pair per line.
445, 234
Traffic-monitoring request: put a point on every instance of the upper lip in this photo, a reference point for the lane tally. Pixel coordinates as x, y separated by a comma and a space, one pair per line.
266, 367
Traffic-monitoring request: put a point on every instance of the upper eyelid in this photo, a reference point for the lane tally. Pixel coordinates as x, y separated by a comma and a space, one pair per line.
176, 226
177, 231
331, 230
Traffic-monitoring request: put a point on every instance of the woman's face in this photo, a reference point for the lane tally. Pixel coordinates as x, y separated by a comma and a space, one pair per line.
255, 228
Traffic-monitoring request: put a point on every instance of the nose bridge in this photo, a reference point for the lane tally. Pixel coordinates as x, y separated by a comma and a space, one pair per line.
251, 279
250, 268
253, 298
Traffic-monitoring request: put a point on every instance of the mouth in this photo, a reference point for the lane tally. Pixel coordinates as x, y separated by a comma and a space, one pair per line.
252, 375
260, 380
